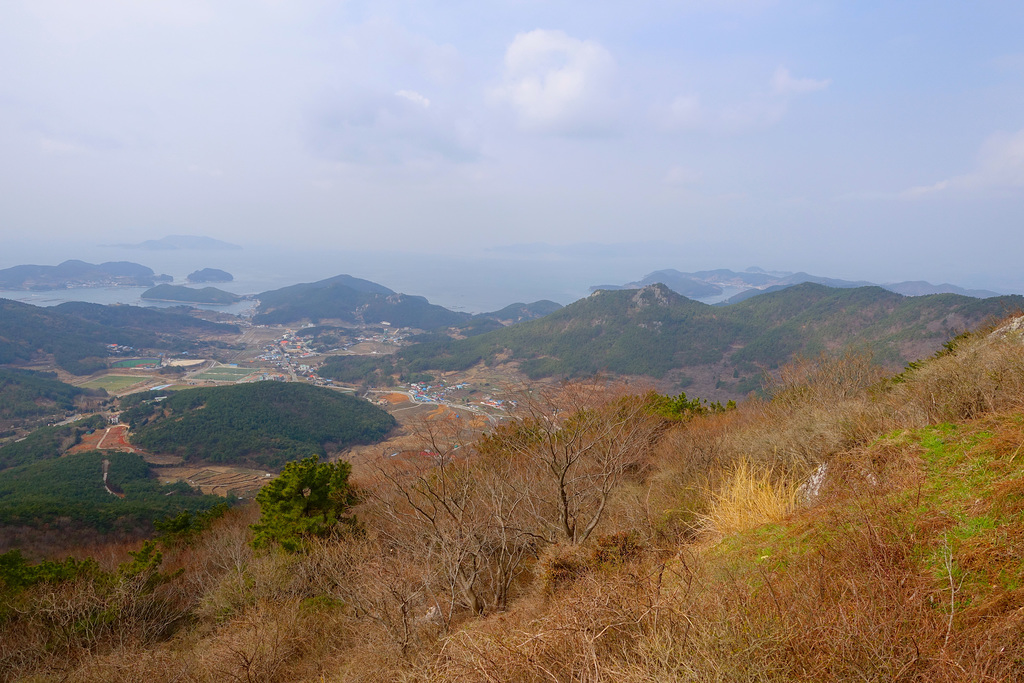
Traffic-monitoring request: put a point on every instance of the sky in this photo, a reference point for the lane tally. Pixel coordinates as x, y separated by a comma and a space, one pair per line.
861, 139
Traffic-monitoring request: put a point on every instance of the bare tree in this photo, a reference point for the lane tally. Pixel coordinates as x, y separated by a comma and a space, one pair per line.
441, 506
572, 446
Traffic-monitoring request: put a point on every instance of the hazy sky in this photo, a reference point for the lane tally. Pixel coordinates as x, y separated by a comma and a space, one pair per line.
859, 139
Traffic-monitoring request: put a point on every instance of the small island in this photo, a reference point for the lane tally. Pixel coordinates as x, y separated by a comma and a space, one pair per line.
188, 295
74, 273
176, 242
209, 275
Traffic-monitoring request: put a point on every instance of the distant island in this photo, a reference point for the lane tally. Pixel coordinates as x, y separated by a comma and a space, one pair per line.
730, 287
172, 242
209, 275
188, 295
76, 273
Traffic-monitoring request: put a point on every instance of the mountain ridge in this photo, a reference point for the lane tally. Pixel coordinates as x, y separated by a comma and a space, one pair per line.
711, 286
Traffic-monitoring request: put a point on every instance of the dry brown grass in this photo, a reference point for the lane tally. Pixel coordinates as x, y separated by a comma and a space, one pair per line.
750, 497
985, 374
684, 579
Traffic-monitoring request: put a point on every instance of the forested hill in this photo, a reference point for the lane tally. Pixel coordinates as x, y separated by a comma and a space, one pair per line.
75, 333
191, 295
78, 273
261, 423
520, 312
654, 331
25, 395
352, 300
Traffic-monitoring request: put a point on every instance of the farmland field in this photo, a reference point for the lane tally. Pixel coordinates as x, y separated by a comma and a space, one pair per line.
113, 383
219, 480
223, 374
135, 362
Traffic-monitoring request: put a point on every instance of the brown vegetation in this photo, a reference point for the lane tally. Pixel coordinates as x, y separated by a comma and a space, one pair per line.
851, 527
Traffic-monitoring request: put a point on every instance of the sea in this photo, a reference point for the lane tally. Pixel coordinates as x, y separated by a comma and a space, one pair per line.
473, 284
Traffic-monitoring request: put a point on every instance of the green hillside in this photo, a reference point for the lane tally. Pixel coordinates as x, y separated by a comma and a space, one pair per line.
78, 273
47, 443
520, 312
75, 334
654, 331
352, 300
209, 275
25, 394
190, 295
850, 526
261, 423
72, 487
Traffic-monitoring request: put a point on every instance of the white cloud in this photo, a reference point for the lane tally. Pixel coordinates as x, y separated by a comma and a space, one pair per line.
686, 112
559, 84
784, 83
414, 97
1000, 164
760, 109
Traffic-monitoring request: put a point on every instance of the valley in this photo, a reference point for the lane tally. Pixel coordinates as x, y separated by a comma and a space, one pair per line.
212, 406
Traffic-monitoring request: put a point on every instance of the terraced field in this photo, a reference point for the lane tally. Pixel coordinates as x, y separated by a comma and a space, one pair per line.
219, 480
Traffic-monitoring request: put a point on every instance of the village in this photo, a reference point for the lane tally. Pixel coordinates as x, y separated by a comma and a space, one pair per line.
294, 354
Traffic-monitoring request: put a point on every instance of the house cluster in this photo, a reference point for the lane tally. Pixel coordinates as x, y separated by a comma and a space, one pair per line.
428, 393
294, 347
118, 349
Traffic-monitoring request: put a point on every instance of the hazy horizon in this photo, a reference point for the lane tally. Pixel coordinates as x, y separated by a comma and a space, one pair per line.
477, 283
871, 140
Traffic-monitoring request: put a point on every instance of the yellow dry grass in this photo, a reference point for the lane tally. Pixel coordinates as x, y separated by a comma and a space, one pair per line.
749, 497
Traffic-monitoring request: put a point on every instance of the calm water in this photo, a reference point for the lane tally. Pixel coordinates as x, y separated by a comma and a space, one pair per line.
465, 284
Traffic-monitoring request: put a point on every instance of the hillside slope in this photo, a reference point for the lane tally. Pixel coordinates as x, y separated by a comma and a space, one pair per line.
657, 333
852, 527
352, 300
77, 274
262, 423
75, 334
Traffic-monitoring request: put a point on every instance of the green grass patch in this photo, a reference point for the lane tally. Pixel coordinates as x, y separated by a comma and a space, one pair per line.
113, 383
226, 374
134, 362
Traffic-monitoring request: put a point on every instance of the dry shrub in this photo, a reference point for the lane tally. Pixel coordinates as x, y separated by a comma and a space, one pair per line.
819, 407
595, 622
849, 600
54, 624
137, 665
750, 496
266, 643
982, 374
683, 464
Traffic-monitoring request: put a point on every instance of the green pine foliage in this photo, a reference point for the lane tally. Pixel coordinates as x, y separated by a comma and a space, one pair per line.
308, 499
260, 423
41, 492
27, 394
187, 525
680, 408
46, 443
16, 573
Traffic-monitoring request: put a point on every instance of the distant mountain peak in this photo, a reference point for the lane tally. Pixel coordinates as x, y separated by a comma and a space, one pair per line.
175, 242
657, 294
